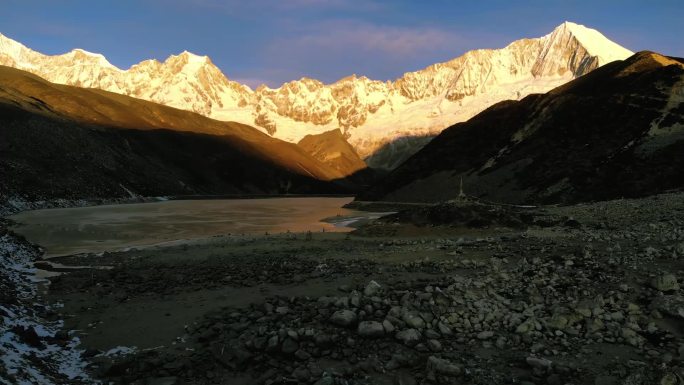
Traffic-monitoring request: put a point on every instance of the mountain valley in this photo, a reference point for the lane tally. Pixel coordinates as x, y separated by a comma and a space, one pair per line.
512, 216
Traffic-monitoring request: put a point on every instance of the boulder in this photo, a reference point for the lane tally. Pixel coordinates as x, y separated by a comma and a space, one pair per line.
443, 367
409, 337
413, 320
373, 288
371, 329
344, 318
539, 363
289, 346
389, 328
665, 282
485, 335
672, 305
434, 345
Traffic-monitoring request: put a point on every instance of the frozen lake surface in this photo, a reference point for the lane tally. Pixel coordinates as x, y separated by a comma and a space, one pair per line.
116, 227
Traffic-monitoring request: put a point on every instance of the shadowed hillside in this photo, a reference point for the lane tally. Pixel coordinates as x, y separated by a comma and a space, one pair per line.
68, 142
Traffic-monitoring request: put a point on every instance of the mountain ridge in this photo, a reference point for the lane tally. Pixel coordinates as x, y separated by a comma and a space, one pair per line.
370, 113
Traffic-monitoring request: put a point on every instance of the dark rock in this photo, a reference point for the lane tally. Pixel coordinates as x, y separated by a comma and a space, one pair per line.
672, 305
289, 346
259, 343
231, 357
344, 318
28, 335
539, 363
404, 379
443, 366
301, 374
665, 282
162, 381
323, 340
372, 289
272, 344
371, 329
302, 355
572, 223
409, 337
434, 345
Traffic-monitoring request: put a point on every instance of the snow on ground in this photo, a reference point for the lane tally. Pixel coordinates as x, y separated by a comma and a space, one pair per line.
32, 349
119, 351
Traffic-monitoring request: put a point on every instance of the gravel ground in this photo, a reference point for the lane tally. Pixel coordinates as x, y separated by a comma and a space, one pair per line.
584, 294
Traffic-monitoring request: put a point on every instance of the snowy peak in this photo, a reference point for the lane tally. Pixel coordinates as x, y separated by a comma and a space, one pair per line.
595, 42
18, 53
10, 47
186, 81
80, 56
188, 59
13, 53
575, 48
150, 63
193, 57
191, 66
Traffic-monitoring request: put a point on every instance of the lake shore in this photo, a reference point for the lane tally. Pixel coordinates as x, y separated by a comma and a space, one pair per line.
14, 205
583, 294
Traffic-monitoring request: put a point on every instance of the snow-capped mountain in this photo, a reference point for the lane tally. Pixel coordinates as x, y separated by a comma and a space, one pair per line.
372, 114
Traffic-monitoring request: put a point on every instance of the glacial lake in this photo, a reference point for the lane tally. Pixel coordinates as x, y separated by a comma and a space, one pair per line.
117, 227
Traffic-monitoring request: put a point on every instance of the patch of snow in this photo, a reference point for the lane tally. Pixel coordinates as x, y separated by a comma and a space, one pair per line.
25, 360
119, 351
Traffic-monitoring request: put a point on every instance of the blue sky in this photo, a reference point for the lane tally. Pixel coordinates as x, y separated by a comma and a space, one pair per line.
273, 41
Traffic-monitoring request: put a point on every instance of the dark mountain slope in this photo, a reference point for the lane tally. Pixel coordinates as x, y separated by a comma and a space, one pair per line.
617, 131
68, 142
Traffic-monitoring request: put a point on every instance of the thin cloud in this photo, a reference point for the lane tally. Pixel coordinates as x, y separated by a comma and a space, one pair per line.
392, 40
331, 50
322, 4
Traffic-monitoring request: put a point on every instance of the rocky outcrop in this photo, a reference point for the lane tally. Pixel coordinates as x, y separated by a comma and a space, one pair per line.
332, 149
